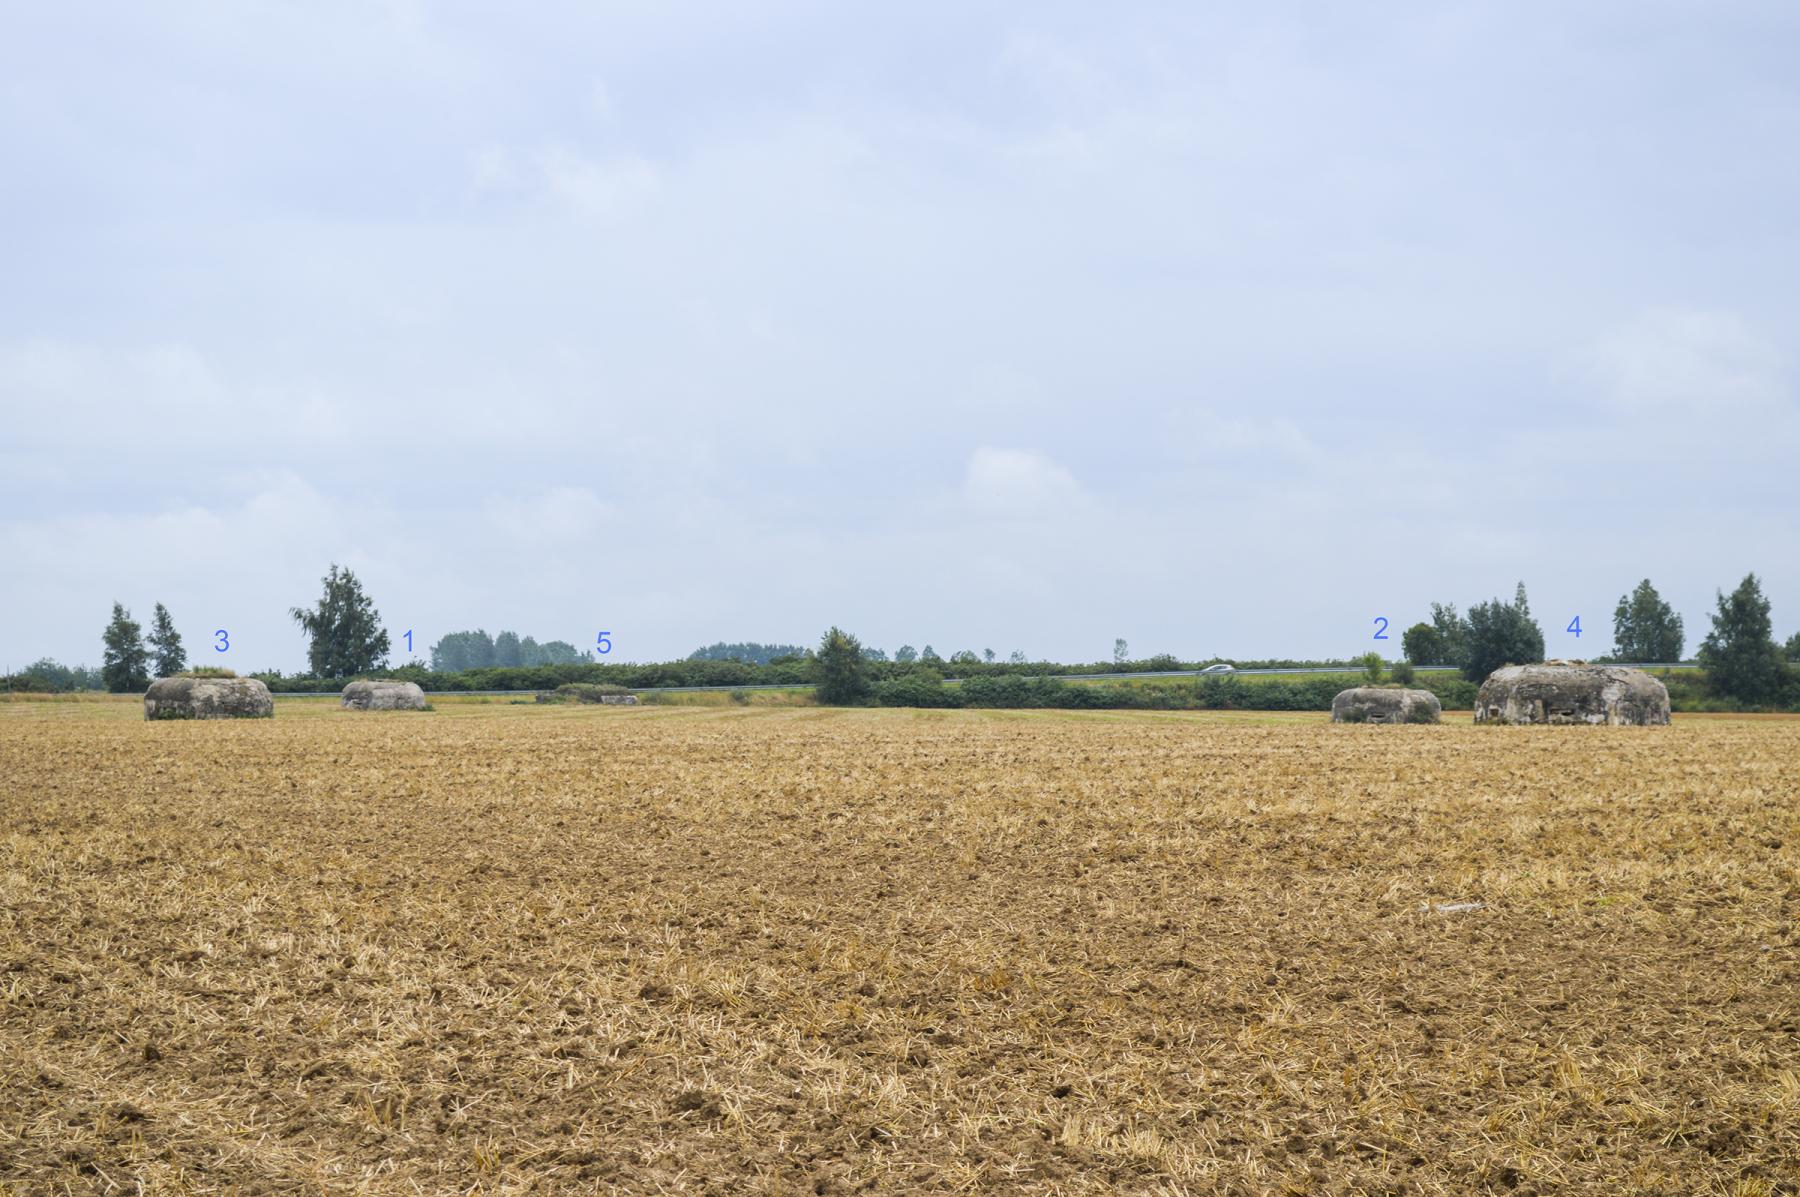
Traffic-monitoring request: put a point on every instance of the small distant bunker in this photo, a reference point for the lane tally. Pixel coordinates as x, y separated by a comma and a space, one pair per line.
208, 698
1377, 704
1564, 692
381, 695
603, 692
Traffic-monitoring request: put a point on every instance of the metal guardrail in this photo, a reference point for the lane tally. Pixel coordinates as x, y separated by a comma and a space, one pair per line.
955, 681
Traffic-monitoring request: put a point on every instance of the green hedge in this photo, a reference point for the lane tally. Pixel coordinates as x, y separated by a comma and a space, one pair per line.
1215, 693
722, 674
996, 686
1690, 690
787, 671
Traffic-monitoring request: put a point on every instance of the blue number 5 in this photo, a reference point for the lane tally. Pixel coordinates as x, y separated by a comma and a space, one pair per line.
224, 641
602, 644
1381, 634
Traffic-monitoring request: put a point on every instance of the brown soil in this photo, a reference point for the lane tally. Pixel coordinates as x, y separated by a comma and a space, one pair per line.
574, 950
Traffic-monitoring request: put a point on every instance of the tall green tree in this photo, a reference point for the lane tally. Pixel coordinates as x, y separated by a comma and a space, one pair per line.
561, 652
346, 636
1645, 628
1423, 644
1443, 641
508, 651
1500, 633
749, 652
124, 664
841, 669
171, 658
1792, 649
1739, 654
49, 676
1454, 630
906, 654
458, 651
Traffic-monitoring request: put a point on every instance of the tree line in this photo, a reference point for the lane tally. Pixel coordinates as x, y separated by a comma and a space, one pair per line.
749, 652
128, 656
1742, 662
344, 638
478, 650
1740, 656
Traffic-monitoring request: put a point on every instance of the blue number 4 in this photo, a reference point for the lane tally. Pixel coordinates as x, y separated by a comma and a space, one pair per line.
1381, 632
1575, 626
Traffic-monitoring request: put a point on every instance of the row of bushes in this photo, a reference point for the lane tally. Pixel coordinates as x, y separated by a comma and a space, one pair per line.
791, 671
1690, 690
1215, 693
721, 674
922, 687
984, 686
896, 685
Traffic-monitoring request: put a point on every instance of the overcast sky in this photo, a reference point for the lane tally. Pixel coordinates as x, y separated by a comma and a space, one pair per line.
1222, 328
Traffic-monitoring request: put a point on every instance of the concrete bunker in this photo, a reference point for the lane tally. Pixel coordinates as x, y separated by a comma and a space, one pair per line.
1383, 704
208, 698
1572, 692
383, 694
599, 692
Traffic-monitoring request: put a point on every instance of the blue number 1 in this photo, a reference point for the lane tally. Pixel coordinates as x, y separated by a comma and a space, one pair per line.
1574, 626
1382, 634
408, 639
224, 643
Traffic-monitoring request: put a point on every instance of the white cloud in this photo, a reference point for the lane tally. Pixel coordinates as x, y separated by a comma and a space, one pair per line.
1057, 73
1245, 440
595, 186
600, 102
1690, 359
561, 515
1017, 482
495, 168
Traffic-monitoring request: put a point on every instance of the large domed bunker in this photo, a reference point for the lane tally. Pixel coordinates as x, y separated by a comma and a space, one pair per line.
208, 698
383, 694
1384, 704
1572, 692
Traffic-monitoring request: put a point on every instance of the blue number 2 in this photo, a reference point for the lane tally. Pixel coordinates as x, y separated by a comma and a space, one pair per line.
603, 645
1382, 634
224, 643
1574, 626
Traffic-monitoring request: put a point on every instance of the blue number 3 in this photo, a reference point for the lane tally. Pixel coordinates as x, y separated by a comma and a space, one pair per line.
224, 641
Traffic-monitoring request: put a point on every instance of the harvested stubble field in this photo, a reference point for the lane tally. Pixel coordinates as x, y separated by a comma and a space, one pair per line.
496, 949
